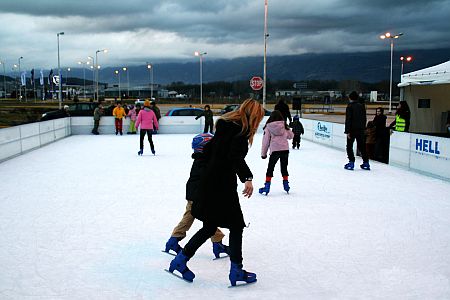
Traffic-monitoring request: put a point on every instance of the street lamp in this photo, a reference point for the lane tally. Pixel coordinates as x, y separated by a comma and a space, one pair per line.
406, 59
118, 74
150, 67
4, 77
391, 37
20, 81
97, 67
59, 72
200, 54
128, 81
14, 68
266, 35
84, 76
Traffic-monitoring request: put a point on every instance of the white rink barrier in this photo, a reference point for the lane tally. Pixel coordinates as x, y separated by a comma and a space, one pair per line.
20, 139
326, 133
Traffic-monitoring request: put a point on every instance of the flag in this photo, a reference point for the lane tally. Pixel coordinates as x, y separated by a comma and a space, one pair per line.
50, 77
41, 79
23, 77
32, 76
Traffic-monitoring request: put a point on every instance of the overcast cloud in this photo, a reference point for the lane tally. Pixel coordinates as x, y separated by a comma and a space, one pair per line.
136, 31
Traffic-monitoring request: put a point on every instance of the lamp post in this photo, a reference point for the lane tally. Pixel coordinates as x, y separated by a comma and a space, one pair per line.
118, 74
125, 69
391, 37
90, 58
4, 77
200, 54
59, 72
84, 76
14, 68
96, 69
150, 67
407, 59
20, 81
67, 82
266, 35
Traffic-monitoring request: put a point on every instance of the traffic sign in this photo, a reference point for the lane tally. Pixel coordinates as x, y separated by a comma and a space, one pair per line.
256, 83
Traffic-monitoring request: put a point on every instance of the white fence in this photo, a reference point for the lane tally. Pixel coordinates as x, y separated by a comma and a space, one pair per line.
20, 139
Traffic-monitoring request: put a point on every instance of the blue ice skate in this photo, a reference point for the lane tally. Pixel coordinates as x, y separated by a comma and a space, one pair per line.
349, 166
172, 244
140, 152
238, 274
365, 166
218, 248
153, 151
286, 186
179, 264
266, 188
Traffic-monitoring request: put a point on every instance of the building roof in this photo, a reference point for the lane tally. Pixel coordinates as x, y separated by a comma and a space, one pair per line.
438, 74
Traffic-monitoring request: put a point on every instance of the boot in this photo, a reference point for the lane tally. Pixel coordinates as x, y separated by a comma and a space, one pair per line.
286, 185
179, 264
237, 274
140, 152
218, 248
365, 166
350, 165
153, 151
172, 244
266, 188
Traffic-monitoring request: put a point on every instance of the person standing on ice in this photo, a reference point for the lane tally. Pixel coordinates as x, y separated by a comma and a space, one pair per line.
119, 114
179, 232
355, 126
276, 136
217, 203
147, 121
209, 122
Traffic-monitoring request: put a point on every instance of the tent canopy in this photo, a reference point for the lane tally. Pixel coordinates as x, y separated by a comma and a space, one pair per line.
439, 74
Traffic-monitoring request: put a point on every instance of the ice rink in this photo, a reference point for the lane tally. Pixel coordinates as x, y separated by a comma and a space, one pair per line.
86, 218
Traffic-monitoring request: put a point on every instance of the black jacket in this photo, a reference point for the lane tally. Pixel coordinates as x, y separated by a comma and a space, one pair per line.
297, 127
208, 114
284, 109
218, 201
380, 124
194, 177
355, 118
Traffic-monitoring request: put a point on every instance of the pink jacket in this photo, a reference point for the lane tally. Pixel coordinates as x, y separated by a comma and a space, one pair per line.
276, 137
132, 114
147, 119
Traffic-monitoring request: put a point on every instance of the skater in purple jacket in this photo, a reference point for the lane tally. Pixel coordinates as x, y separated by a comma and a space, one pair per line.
276, 136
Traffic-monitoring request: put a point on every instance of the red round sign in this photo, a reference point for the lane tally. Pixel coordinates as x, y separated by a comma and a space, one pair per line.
256, 83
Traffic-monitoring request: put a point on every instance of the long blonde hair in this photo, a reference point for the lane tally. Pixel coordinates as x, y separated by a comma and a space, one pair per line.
249, 115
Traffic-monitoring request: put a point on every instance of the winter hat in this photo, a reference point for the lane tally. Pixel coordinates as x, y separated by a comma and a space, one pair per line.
200, 140
146, 103
296, 117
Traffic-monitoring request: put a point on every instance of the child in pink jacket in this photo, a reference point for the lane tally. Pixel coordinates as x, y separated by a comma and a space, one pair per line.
147, 121
276, 136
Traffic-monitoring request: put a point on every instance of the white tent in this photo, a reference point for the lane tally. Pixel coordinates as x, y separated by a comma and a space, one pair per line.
427, 93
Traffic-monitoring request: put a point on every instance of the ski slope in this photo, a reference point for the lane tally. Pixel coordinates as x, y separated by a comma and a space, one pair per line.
86, 218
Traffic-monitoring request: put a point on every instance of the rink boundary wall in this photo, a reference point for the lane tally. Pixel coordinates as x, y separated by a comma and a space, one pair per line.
424, 154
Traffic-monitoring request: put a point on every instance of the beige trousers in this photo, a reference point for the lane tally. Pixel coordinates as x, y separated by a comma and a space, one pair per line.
186, 222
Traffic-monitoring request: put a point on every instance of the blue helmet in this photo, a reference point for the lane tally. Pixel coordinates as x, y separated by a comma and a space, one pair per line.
200, 140
296, 117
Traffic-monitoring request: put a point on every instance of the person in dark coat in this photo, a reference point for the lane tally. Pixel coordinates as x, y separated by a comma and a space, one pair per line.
217, 203
402, 118
284, 109
298, 130
209, 122
355, 126
179, 232
381, 135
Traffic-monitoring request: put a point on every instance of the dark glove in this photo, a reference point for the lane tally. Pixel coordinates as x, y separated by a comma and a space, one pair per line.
264, 157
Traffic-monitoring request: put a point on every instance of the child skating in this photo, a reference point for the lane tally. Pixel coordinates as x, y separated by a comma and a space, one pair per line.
179, 232
276, 136
298, 130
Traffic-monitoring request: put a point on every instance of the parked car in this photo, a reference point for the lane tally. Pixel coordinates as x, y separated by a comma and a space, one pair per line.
233, 107
76, 110
141, 101
184, 111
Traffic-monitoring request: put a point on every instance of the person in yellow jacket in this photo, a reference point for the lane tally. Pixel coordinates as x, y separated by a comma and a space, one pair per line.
119, 114
402, 118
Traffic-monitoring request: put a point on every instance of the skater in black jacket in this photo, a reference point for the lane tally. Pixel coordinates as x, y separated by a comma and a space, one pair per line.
217, 203
284, 109
209, 122
297, 129
179, 232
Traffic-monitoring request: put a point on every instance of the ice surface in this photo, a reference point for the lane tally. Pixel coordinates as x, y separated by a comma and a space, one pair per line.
86, 218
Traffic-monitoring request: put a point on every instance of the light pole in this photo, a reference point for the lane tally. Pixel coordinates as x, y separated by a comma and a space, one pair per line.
200, 54
150, 67
84, 76
391, 37
407, 59
93, 74
67, 83
14, 68
118, 74
96, 69
59, 72
4, 77
266, 35
128, 81
20, 81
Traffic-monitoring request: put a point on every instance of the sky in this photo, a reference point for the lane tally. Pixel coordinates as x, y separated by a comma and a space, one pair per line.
138, 31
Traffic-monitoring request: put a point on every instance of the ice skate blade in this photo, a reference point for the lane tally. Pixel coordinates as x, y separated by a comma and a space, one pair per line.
176, 275
241, 284
168, 253
220, 257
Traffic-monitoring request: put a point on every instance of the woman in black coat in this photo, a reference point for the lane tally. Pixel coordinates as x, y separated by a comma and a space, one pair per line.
217, 202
